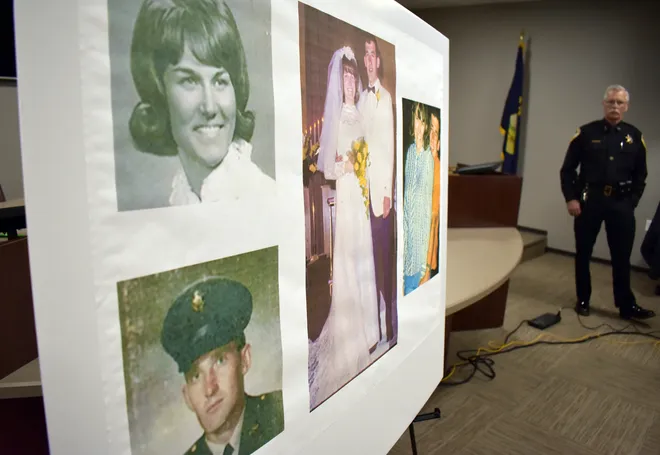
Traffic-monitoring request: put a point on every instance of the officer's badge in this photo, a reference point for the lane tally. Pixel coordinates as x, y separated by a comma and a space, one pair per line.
253, 429
197, 302
629, 139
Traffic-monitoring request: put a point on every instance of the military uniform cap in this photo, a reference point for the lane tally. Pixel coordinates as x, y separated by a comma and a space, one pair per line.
207, 315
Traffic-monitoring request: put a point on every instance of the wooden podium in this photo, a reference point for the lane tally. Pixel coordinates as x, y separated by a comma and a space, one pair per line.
483, 200
479, 201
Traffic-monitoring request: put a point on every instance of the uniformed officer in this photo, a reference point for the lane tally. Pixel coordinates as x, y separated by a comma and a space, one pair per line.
611, 155
203, 332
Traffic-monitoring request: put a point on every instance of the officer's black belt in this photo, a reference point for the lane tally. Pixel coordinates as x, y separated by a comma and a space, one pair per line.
610, 190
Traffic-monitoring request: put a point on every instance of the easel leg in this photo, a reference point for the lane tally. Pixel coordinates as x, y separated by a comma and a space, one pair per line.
420, 418
413, 442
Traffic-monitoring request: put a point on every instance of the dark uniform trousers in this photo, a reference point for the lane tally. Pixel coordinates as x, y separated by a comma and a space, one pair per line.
617, 213
611, 181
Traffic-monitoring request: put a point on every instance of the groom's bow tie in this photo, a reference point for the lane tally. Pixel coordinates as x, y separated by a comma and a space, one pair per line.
371, 89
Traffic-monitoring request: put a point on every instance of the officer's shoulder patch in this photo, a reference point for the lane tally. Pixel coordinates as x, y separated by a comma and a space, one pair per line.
577, 133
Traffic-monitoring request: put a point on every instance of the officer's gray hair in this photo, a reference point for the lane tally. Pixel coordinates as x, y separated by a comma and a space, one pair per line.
616, 88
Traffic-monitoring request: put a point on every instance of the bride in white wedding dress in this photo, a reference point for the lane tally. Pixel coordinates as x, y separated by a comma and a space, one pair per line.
342, 350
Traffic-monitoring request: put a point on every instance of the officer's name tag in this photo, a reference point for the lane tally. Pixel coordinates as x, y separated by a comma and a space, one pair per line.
596, 141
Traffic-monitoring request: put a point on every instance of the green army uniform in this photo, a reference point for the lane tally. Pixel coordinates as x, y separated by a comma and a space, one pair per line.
262, 422
207, 315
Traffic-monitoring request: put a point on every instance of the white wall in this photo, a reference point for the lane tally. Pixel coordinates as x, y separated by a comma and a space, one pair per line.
575, 50
11, 175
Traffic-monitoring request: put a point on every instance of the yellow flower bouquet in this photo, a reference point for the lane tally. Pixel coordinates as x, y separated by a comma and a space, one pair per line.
359, 158
310, 156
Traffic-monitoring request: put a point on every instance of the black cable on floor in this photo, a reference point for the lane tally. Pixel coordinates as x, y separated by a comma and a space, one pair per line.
484, 364
633, 326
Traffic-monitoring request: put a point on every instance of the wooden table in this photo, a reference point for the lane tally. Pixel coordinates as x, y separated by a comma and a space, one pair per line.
479, 263
22, 383
22, 414
479, 260
11, 204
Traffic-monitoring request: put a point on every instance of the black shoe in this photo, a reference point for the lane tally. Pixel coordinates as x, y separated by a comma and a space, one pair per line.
635, 311
657, 290
582, 308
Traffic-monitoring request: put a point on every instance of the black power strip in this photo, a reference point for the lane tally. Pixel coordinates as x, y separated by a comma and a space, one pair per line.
545, 320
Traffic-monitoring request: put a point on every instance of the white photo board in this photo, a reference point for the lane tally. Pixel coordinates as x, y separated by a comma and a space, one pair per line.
195, 284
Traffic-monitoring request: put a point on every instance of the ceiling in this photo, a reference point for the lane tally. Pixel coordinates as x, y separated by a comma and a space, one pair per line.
422, 4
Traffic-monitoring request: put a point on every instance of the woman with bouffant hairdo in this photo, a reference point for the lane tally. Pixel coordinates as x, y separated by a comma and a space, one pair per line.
190, 73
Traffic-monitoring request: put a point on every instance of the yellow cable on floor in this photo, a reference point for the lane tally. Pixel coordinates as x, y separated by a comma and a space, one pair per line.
493, 348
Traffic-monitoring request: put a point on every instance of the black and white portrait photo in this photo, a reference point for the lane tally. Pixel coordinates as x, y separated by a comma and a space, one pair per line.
192, 102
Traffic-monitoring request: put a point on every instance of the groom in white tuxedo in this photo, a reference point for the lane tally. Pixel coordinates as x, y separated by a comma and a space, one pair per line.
375, 104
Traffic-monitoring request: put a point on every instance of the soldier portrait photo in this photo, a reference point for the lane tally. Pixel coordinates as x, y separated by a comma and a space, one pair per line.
192, 102
203, 357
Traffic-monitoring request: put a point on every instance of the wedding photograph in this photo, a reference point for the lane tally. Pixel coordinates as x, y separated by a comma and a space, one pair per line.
348, 82
421, 193
192, 103
202, 355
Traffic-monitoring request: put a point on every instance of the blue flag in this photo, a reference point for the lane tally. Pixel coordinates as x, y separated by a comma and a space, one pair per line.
510, 124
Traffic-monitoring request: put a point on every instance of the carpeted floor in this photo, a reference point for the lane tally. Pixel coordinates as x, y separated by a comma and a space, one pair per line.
595, 398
